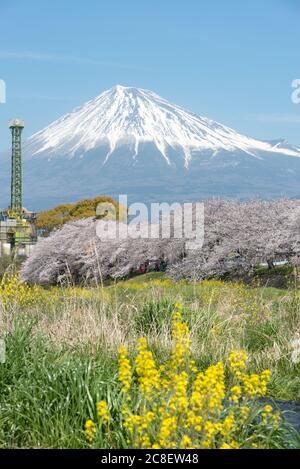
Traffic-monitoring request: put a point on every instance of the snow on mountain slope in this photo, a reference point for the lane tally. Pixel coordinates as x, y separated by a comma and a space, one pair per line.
124, 115
131, 141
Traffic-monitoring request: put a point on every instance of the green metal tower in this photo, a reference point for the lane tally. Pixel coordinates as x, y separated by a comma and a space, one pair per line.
16, 126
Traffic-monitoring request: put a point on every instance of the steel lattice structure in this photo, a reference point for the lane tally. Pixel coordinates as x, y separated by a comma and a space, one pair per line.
16, 126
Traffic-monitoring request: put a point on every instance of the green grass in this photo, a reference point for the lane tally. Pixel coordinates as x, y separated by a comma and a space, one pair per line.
285, 270
144, 278
46, 395
62, 352
9, 264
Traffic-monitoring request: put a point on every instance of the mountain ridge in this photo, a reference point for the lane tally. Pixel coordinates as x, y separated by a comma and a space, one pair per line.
131, 141
135, 115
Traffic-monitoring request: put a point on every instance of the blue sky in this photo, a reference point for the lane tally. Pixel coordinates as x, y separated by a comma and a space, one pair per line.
233, 61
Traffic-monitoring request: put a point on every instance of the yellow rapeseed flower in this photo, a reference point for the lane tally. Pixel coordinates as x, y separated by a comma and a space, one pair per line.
103, 412
235, 394
238, 362
125, 374
148, 374
186, 442
90, 430
15, 293
174, 407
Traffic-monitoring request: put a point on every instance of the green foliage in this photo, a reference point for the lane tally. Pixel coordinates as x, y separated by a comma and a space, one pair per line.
279, 276
58, 216
154, 315
10, 264
45, 394
61, 354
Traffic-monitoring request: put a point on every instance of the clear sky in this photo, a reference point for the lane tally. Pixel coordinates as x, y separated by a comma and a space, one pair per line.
230, 60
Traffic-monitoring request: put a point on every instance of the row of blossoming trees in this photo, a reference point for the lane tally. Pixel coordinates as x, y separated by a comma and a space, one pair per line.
237, 237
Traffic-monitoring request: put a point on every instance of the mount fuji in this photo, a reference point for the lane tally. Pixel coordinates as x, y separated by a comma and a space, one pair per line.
132, 141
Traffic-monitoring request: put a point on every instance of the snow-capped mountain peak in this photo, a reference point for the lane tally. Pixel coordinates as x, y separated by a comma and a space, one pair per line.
128, 115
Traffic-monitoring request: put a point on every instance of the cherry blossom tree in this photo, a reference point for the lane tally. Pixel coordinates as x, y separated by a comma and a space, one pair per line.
237, 237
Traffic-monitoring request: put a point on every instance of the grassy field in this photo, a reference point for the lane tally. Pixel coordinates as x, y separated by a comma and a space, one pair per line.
62, 349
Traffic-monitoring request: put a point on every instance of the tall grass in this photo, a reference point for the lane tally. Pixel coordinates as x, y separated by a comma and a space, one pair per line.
46, 393
62, 351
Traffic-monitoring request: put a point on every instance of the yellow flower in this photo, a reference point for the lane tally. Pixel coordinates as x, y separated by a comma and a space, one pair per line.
103, 412
225, 446
174, 407
244, 412
228, 424
179, 400
14, 292
276, 419
90, 430
255, 384
186, 442
148, 374
270, 417
232, 445
125, 374
132, 422
167, 431
237, 362
209, 389
181, 353
268, 409
236, 393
